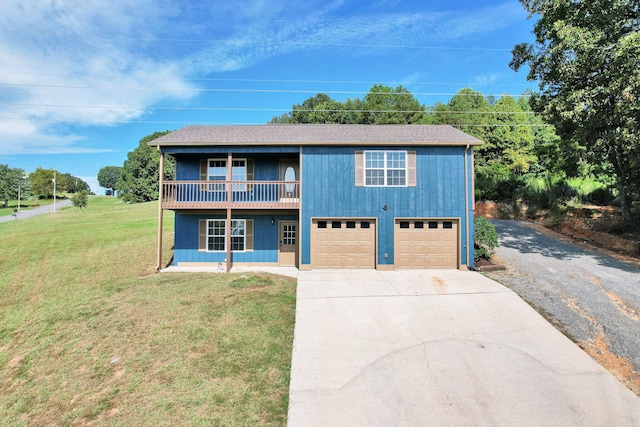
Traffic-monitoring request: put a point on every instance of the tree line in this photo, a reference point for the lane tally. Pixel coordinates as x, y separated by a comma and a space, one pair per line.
16, 182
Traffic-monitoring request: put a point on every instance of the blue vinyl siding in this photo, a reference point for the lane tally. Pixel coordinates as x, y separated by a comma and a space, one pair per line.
265, 239
329, 190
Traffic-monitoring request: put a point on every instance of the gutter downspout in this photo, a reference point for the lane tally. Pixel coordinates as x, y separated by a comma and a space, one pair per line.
466, 200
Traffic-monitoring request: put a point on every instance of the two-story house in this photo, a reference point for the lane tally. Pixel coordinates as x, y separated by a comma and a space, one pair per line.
320, 196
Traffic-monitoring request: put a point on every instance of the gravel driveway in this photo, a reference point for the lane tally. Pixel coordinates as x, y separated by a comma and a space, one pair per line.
591, 297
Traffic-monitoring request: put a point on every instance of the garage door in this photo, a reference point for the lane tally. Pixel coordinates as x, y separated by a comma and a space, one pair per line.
426, 243
343, 243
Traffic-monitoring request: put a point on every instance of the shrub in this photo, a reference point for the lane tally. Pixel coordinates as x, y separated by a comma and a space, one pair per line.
80, 199
485, 238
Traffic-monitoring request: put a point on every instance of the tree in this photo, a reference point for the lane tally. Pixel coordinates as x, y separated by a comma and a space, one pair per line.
139, 179
108, 177
42, 182
73, 184
80, 199
382, 105
587, 63
10, 180
385, 105
467, 110
509, 139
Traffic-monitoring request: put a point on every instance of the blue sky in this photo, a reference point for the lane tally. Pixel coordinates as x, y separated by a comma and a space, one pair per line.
82, 82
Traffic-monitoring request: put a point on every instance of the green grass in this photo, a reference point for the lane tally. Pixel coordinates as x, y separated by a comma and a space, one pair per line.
90, 334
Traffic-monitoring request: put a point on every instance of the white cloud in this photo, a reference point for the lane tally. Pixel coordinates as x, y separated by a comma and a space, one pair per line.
79, 64
69, 63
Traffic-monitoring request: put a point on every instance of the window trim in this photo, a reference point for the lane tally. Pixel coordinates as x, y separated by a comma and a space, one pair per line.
386, 168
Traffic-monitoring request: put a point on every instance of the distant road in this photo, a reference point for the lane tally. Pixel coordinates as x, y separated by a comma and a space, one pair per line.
36, 211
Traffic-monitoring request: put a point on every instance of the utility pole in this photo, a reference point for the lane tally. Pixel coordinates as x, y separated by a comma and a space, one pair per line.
18, 197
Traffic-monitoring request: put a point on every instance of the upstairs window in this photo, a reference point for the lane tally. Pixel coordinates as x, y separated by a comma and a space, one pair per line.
217, 171
385, 168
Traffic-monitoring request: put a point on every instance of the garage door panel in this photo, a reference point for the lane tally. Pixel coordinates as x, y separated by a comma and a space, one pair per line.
426, 243
346, 243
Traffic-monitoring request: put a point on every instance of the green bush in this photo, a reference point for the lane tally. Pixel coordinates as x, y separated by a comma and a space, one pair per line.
79, 199
485, 238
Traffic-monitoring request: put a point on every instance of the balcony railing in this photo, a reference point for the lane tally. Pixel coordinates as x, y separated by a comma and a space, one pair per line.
242, 194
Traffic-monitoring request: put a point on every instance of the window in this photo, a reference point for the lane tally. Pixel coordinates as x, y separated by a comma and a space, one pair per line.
336, 224
217, 171
433, 224
351, 224
385, 168
404, 224
418, 224
216, 235
447, 224
322, 224
364, 224
289, 234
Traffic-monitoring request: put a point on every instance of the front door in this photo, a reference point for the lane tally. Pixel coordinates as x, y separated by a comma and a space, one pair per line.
288, 243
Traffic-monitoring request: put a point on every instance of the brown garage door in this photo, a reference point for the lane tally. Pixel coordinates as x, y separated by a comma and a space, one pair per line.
426, 243
343, 243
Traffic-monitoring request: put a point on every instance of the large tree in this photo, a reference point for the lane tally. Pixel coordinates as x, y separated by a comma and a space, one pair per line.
586, 58
385, 105
41, 181
109, 176
467, 110
10, 180
381, 105
139, 180
73, 184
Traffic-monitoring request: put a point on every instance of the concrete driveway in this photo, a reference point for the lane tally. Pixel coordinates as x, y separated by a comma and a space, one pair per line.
438, 347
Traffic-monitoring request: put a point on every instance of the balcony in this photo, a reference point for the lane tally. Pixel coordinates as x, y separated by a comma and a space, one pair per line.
230, 194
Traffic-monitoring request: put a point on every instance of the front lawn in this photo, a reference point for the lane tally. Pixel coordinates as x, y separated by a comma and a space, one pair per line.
90, 334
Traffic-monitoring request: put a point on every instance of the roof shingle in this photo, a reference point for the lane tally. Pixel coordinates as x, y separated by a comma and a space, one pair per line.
309, 134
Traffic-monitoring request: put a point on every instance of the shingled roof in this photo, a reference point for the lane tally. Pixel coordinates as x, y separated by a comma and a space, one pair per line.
309, 134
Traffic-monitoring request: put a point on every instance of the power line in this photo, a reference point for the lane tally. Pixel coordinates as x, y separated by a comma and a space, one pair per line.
296, 110
247, 80
225, 90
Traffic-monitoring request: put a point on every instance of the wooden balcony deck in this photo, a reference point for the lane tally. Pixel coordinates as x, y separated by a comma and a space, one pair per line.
230, 194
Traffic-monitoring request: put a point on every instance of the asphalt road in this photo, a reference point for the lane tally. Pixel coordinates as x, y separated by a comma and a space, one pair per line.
586, 294
29, 213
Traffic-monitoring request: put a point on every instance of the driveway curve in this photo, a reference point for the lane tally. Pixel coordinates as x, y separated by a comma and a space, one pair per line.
591, 297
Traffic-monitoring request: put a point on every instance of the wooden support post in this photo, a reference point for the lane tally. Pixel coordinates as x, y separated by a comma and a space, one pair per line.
229, 200
160, 212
